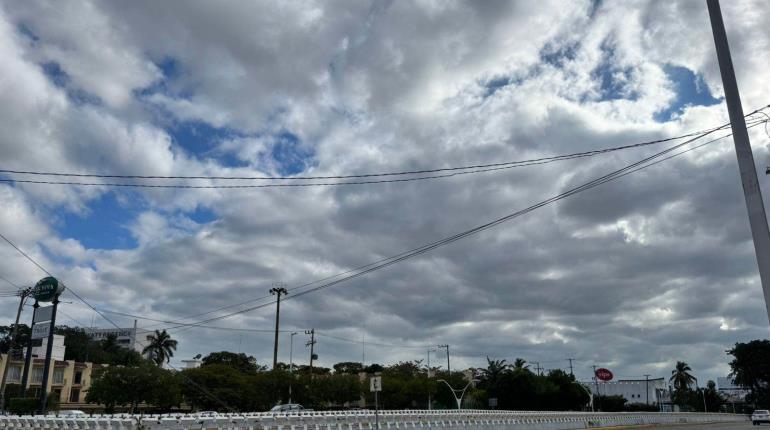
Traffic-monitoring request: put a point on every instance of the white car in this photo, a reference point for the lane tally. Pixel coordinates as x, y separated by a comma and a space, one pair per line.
72, 413
760, 416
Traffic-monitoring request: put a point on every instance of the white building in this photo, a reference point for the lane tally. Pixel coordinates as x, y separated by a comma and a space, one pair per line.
633, 390
132, 338
57, 352
734, 393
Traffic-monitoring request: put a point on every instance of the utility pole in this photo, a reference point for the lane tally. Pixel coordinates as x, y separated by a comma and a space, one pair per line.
23, 297
28, 356
537, 367
278, 289
596, 382
430, 403
647, 387
570, 366
311, 344
754, 203
448, 370
291, 362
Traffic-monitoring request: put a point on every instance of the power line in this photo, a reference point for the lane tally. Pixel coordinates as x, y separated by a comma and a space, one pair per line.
49, 274
455, 171
363, 175
362, 270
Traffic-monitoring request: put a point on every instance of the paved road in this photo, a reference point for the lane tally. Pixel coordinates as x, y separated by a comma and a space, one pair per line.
725, 426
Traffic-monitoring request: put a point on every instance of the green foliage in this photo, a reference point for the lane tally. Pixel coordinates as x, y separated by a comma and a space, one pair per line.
348, 367
161, 347
241, 362
129, 386
23, 405
681, 377
22, 338
751, 369
611, 403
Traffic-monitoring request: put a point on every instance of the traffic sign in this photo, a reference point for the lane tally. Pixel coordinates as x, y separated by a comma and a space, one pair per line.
604, 374
375, 384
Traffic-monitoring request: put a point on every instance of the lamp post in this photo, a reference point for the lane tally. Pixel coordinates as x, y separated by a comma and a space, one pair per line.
454, 392
291, 363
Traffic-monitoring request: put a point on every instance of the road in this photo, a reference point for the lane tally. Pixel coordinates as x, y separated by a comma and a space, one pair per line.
722, 426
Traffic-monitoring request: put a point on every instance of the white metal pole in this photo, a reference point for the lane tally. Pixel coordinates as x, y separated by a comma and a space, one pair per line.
754, 203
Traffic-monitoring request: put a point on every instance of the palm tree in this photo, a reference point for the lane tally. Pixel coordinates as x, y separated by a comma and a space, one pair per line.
494, 369
520, 364
110, 343
161, 347
680, 376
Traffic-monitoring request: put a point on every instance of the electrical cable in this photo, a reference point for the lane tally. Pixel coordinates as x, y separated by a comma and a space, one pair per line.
49, 274
364, 175
425, 248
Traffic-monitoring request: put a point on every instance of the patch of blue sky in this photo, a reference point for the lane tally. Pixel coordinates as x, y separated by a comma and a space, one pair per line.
60, 79
691, 90
201, 215
201, 138
105, 225
558, 56
290, 156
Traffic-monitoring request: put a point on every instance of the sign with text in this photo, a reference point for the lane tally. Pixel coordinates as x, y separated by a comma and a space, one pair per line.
43, 313
47, 289
375, 384
41, 330
604, 374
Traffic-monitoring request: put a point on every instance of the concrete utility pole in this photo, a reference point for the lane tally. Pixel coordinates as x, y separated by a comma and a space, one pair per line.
23, 297
537, 367
291, 362
448, 370
647, 387
570, 366
430, 402
751, 191
28, 356
278, 289
311, 344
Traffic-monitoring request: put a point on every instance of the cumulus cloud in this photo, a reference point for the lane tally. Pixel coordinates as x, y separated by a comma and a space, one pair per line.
636, 274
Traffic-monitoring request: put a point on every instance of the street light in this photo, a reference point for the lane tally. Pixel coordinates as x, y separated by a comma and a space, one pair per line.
590, 394
429, 400
454, 391
291, 363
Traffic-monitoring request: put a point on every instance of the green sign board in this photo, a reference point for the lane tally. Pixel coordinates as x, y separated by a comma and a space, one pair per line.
46, 289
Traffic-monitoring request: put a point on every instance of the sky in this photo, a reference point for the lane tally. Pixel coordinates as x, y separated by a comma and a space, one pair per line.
633, 275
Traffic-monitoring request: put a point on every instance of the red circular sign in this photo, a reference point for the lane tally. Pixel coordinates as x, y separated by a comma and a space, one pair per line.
603, 374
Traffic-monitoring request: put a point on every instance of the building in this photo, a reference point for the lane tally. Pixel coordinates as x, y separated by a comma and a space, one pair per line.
67, 380
644, 391
57, 352
131, 338
732, 392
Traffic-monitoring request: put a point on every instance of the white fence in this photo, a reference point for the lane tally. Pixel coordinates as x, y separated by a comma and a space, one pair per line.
364, 420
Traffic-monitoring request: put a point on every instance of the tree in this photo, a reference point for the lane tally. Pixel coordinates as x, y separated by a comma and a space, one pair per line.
22, 337
348, 368
240, 361
110, 343
520, 364
681, 377
495, 369
750, 368
373, 368
161, 347
129, 386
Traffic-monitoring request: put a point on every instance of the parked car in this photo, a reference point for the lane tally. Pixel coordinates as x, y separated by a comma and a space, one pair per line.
288, 407
760, 416
72, 413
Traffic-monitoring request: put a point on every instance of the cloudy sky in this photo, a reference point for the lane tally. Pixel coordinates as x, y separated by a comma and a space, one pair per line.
633, 275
